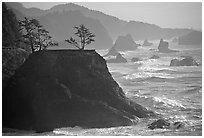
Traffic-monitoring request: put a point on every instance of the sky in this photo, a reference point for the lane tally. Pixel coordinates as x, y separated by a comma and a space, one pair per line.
163, 14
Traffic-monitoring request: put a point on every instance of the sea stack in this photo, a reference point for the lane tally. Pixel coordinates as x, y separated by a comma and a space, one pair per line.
66, 88
164, 47
124, 43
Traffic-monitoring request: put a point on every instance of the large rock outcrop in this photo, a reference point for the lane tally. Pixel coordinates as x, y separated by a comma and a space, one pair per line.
63, 88
192, 38
164, 47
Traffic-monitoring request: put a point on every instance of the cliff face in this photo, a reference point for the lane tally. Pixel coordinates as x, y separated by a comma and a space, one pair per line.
66, 88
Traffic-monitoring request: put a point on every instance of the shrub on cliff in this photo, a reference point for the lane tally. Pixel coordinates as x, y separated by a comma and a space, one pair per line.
85, 36
35, 35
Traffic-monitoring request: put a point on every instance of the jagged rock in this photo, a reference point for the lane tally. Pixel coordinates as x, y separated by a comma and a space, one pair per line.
119, 59
146, 43
192, 38
154, 57
161, 123
66, 88
135, 59
164, 47
186, 61
125, 43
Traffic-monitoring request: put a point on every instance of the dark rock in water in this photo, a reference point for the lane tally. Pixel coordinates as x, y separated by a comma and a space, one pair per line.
154, 57
146, 43
187, 61
161, 123
112, 52
135, 59
152, 49
177, 125
192, 38
66, 88
165, 124
124, 43
119, 59
164, 47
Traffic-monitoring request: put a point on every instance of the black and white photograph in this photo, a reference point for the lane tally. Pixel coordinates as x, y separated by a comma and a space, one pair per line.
88, 68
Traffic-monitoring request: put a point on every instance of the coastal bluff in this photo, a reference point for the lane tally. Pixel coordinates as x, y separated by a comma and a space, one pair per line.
66, 88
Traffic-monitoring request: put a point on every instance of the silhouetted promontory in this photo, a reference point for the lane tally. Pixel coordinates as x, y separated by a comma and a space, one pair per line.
66, 88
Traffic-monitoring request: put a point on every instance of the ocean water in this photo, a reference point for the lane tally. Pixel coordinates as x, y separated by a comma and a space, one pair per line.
173, 92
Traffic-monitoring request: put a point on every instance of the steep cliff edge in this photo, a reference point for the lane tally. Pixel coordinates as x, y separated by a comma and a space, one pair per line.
61, 88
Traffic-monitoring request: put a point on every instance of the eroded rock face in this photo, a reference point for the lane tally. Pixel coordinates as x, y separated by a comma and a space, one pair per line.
187, 61
11, 60
66, 88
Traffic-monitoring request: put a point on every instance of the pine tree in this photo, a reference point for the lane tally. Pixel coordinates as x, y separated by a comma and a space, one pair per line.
35, 35
84, 35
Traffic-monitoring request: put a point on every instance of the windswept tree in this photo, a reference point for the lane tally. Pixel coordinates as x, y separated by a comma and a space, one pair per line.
85, 37
35, 35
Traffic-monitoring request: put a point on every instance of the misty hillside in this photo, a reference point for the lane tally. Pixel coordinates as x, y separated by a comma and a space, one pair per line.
60, 26
60, 19
193, 38
26, 11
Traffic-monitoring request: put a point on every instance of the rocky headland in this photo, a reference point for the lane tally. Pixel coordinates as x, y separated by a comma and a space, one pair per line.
66, 88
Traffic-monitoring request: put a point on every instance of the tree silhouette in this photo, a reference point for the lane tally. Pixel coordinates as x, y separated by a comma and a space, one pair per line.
35, 35
85, 36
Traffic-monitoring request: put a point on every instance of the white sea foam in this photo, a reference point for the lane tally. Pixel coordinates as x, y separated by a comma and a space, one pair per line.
139, 75
168, 102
